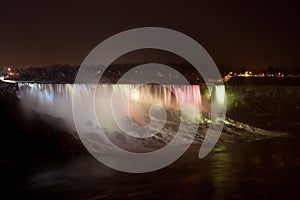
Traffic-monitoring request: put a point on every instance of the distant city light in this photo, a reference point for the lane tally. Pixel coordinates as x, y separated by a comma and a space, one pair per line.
252, 74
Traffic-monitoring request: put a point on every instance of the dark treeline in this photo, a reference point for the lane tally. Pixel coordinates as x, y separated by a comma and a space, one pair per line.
67, 73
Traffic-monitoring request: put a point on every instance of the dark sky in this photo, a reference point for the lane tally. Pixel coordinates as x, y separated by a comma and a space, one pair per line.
235, 33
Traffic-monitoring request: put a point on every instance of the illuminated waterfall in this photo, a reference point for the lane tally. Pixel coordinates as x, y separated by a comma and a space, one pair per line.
56, 99
51, 94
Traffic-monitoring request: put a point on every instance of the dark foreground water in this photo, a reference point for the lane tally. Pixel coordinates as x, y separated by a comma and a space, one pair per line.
260, 170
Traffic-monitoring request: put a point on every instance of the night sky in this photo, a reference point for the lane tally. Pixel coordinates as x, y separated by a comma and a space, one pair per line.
235, 33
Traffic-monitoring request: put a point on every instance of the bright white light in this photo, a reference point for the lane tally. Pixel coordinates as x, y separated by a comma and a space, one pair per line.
220, 94
135, 95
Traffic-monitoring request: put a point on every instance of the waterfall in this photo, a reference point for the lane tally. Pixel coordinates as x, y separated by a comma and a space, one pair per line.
135, 101
56, 99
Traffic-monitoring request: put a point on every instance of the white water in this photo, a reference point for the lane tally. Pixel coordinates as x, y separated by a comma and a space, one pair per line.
56, 99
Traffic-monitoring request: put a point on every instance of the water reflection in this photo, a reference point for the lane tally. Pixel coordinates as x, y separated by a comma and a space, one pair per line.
219, 172
262, 170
